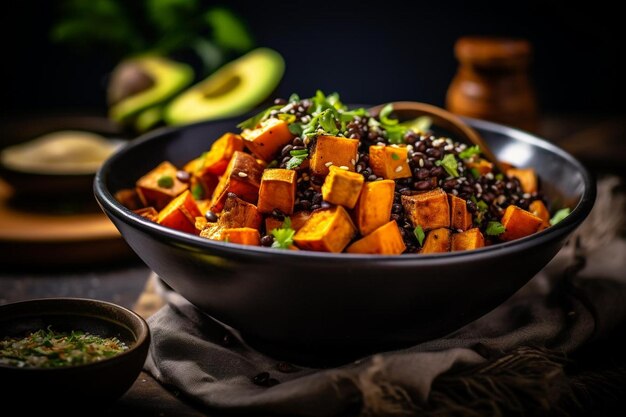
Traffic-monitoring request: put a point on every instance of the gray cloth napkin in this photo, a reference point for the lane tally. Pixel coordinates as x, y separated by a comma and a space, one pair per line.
559, 310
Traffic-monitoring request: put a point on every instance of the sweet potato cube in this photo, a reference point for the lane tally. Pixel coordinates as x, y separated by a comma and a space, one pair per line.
386, 240
180, 213
128, 198
389, 162
242, 177
342, 187
460, 217
437, 241
482, 166
277, 191
540, 210
333, 150
326, 230
212, 231
430, 210
518, 223
468, 240
266, 140
159, 186
297, 221
242, 235
526, 177
239, 213
373, 208
216, 159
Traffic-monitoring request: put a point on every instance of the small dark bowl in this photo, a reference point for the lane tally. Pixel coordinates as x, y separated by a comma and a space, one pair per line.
97, 383
321, 303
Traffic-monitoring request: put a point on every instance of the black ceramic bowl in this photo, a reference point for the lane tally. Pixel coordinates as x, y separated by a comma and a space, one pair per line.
96, 384
320, 302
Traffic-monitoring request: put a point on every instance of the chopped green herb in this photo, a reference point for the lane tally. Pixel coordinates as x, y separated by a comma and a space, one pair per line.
418, 125
327, 121
499, 177
395, 156
475, 173
283, 236
286, 117
384, 115
495, 228
165, 181
449, 163
560, 215
419, 234
295, 129
294, 98
299, 152
197, 191
50, 349
295, 161
469, 152
482, 206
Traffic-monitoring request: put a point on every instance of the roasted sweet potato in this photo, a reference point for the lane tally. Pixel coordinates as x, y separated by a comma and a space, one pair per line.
373, 207
326, 230
540, 210
389, 162
277, 191
242, 177
526, 177
430, 210
460, 217
342, 187
216, 159
242, 235
386, 240
212, 231
180, 213
437, 241
333, 150
239, 213
159, 186
149, 213
468, 240
297, 221
519, 223
269, 138
482, 166
129, 198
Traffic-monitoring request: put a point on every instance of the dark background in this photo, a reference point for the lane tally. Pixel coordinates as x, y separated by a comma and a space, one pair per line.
368, 53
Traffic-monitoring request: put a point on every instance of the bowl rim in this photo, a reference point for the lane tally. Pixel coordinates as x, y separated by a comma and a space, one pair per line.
142, 336
112, 207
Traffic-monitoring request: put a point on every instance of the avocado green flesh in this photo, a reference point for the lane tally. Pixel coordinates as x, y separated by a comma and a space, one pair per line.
169, 78
232, 90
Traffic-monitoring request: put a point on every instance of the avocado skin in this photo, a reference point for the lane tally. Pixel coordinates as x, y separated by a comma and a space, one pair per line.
169, 78
232, 90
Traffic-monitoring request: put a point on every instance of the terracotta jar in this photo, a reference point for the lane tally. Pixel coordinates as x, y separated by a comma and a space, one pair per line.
492, 82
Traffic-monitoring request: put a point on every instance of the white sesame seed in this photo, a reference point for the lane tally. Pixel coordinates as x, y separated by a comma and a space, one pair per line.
448, 147
328, 164
437, 142
299, 180
379, 179
344, 167
359, 168
242, 174
357, 157
353, 162
394, 146
421, 163
526, 195
409, 147
380, 143
399, 168
489, 176
455, 192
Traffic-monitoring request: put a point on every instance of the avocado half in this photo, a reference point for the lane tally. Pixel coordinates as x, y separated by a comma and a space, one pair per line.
167, 78
234, 89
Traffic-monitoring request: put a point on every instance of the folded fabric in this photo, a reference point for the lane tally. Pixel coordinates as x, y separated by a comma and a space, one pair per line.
512, 358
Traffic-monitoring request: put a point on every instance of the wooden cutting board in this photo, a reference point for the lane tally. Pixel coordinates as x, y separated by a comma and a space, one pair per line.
36, 238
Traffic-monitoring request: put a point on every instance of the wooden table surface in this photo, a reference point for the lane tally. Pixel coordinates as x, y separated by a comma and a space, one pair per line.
600, 142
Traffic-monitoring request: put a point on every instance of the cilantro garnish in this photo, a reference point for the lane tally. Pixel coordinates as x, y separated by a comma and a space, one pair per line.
495, 229
419, 234
395, 156
297, 158
197, 191
283, 236
449, 163
165, 181
469, 152
560, 215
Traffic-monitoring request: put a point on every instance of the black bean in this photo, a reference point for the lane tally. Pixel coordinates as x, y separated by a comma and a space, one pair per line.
277, 214
267, 240
231, 195
435, 153
395, 217
280, 101
297, 142
372, 177
423, 173
286, 149
261, 379
450, 184
428, 163
210, 216
396, 208
437, 172
422, 185
420, 147
183, 176
315, 207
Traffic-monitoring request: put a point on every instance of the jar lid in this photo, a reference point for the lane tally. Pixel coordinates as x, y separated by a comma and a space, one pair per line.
493, 51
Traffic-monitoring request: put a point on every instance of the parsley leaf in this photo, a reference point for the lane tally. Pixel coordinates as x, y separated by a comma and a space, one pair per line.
469, 152
494, 229
283, 236
482, 206
327, 122
297, 158
419, 234
449, 163
559, 216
